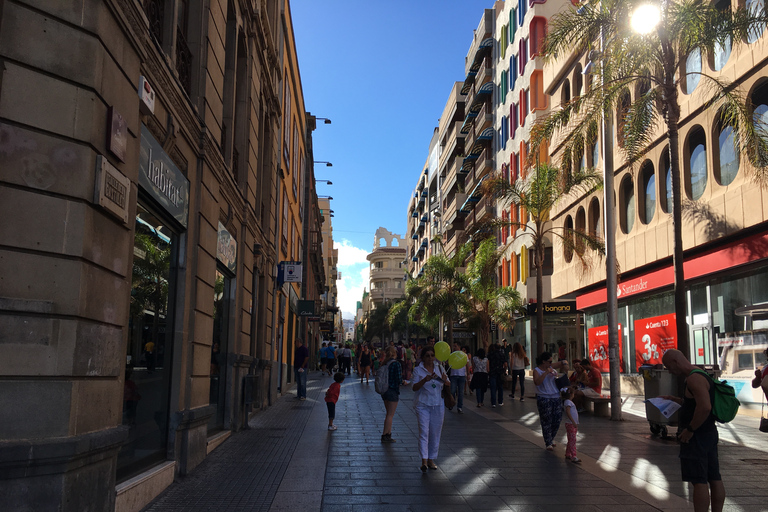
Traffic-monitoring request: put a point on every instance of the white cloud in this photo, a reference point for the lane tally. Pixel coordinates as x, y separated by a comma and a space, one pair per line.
354, 268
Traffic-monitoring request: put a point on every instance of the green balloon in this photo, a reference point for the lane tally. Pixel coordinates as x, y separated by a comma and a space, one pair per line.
442, 350
457, 360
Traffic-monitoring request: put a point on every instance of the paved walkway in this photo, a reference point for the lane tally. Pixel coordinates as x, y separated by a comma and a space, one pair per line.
490, 459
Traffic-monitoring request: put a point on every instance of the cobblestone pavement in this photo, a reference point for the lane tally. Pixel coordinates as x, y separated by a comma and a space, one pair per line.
490, 459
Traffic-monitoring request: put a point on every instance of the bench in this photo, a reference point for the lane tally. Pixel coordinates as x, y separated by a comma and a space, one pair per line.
601, 405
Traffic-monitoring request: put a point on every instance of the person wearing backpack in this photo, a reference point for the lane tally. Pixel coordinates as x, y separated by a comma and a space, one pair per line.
392, 369
697, 433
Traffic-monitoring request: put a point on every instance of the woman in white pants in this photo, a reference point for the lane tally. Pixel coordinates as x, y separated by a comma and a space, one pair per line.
428, 381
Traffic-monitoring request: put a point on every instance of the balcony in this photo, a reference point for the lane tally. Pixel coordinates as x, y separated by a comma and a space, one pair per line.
484, 119
484, 74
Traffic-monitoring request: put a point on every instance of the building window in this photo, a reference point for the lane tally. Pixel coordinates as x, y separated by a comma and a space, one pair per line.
538, 31
625, 102
755, 7
760, 113
627, 212
594, 217
648, 181
581, 227
696, 160
692, 70
512, 72
512, 120
727, 159
665, 187
512, 25
503, 87
568, 239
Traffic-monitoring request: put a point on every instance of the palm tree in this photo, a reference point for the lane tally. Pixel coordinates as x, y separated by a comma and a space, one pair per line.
484, 300
538, 193
437, 294
649, 63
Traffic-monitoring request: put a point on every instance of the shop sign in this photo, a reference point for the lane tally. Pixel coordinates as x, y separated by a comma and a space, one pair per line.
226, 248
159, 176
326, 326
598, 348
112, 189
289, 272
306, 308
554, 308
653, 337
730, 341
118, 134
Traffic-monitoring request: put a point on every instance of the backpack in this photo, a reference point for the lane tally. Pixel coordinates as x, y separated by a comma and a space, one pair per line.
725, 405
382, 379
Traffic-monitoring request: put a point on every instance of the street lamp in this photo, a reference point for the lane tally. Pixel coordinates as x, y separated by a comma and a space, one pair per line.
325, 120
327, 182
327, 164
325, 197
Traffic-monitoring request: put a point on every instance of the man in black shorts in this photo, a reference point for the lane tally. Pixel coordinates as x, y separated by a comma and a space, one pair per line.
697, 434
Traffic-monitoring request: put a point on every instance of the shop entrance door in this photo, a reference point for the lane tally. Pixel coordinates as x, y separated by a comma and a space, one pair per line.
222, 300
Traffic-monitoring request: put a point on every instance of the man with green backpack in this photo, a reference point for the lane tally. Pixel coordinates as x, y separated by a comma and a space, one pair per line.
704, 402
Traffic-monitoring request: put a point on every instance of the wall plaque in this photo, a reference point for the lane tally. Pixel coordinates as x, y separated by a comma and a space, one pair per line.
112, 189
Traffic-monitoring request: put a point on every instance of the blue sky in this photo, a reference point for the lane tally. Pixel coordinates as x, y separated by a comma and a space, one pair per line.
382, 72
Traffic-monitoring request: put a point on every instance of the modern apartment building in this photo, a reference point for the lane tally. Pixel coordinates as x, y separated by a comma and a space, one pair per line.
724, 227
152, 157
330, 323
424, 211
452, 196
521, 100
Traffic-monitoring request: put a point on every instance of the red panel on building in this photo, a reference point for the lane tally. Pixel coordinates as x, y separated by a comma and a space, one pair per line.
598, 348
653, 337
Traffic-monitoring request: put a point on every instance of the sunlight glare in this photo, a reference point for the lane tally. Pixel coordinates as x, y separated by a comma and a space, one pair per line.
645, 18
609, 459
643, 470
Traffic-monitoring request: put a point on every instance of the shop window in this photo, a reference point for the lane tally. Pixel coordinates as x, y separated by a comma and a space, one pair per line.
726, 159
696, 164
538, 31
648, 181
692, 71
150, 341
627, 212
755, 7
222, 297
665, 187
594, 217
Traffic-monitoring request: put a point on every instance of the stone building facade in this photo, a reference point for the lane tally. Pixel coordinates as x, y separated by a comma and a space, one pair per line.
144, 165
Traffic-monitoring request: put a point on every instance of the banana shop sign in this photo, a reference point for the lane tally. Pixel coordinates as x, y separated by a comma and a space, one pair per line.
554, 308
160, 177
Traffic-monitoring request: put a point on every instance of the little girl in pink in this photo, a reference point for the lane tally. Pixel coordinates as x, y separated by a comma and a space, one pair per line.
571, 423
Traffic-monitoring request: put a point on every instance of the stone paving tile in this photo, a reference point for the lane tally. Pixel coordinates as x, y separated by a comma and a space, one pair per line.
490, 459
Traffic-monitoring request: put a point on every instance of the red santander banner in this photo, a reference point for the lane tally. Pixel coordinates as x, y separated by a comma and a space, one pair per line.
598, 348
653, 337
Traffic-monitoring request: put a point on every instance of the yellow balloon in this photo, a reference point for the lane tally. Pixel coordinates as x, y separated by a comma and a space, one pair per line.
442, 350
457, 360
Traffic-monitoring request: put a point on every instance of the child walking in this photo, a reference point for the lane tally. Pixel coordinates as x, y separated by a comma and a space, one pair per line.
571, 423
332, 396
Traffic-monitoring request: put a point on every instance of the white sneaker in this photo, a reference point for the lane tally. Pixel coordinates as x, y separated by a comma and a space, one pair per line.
576, 460
331, 427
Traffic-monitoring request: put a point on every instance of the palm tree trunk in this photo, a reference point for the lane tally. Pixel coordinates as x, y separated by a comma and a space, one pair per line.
538, 255
673, 118
449, 334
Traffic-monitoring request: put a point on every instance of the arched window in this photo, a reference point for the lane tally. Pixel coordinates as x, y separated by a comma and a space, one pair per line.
581, 227
696, 164
627, 212
565, 94
692, 70
568, 242
625, 102
720, 54
726, 159
512, 25
512, 72
594, 217
578, 81
665, 187
503, 87
648, 181
755, 7
538, 31
759, 99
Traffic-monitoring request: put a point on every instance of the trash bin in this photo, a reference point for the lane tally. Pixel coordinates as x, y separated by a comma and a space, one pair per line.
658, 381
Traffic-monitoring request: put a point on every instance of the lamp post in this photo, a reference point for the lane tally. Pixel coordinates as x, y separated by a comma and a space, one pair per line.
325, 197
327, 164
327, 182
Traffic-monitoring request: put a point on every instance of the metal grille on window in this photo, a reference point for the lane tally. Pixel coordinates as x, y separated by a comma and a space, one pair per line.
155, 11
183, 61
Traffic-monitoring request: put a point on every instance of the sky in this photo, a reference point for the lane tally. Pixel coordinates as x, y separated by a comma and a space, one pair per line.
382, 72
